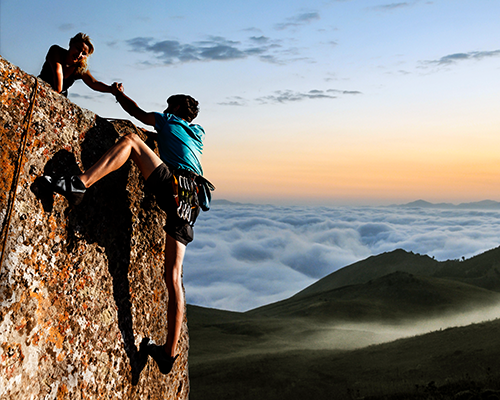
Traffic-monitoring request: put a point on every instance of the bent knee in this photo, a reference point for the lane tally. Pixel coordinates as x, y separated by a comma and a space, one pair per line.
133, 140
132, 137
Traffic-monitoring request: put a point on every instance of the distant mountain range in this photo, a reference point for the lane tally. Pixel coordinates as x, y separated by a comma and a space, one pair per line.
481, 205
478, 205
223, 202
354, 307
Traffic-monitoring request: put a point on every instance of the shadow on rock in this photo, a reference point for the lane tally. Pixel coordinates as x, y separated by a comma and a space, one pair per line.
103, 217
62, 164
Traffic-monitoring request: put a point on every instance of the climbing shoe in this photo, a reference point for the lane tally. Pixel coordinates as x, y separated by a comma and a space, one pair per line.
164, 361
70, 187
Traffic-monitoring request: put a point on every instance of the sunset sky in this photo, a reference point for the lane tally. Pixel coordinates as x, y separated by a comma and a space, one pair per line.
304, 102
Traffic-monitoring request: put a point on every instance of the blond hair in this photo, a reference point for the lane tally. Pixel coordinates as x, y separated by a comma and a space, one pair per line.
85, 39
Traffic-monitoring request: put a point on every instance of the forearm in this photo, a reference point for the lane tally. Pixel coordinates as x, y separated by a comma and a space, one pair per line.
101, 87
129, 105
94, 84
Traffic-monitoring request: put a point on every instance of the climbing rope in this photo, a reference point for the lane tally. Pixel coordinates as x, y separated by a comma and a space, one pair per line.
17, 172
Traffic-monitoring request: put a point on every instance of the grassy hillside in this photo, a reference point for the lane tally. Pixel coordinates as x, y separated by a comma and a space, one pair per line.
395, 297
315, 343
482, 270
320, 320
438, 365
372, 268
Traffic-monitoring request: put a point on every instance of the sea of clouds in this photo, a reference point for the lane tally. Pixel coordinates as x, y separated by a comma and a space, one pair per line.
245, 255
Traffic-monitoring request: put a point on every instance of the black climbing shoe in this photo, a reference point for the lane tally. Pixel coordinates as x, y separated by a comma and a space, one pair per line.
70, 187
164, 361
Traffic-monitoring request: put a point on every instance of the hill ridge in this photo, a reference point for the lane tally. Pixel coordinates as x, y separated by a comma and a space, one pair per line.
482, 270
475, 205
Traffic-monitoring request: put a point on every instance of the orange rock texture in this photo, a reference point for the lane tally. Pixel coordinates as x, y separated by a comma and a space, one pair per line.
80, 287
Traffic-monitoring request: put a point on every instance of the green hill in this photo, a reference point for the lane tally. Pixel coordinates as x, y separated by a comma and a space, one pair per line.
397, 296
458, 363
372, 268
482, 270
304, 344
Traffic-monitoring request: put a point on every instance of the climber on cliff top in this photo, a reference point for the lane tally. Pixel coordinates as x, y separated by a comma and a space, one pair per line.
170, 178
63, 67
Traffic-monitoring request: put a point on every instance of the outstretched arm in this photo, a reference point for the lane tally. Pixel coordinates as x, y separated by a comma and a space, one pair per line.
94, 84
130, 106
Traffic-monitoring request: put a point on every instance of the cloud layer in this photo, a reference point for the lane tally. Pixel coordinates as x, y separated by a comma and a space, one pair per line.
244, 256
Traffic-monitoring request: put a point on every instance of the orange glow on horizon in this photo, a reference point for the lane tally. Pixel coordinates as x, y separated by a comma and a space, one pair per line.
436, 174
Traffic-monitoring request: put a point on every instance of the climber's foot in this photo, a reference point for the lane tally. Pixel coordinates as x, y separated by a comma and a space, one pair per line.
70, 187
164, 361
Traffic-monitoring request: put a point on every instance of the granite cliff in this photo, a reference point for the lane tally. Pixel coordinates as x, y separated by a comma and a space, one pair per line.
79, 287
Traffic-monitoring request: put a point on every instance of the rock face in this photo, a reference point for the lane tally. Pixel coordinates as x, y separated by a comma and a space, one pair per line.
79, 287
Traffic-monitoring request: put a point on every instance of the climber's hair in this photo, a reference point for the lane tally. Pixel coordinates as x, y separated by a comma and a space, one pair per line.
82, 38
85, 39
188, 107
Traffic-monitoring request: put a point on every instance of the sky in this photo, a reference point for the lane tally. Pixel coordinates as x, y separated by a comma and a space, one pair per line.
304, 102
248, 255
319, 111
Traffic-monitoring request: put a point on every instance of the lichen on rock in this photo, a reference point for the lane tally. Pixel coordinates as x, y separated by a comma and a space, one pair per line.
80, 287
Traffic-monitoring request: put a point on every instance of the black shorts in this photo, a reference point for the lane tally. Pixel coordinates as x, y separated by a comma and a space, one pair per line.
160, 184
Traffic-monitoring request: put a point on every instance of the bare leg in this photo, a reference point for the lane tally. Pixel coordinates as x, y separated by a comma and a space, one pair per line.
129, 146
174, 255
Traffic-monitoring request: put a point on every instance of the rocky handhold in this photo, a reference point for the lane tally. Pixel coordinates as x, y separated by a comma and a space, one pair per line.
80, 287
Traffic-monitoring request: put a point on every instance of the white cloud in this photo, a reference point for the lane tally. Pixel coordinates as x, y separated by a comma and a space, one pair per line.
298, 20
245, 256
471, 55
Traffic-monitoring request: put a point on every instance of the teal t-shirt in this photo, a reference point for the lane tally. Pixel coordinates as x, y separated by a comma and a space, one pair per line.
180, 143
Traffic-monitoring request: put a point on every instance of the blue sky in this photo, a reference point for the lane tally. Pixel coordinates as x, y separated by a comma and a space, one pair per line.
326, 102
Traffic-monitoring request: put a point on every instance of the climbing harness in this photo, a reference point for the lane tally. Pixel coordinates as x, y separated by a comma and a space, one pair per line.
191, 192
17, 172
186, 195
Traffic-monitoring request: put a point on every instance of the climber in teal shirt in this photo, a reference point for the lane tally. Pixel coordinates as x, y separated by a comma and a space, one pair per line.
180, 143
173, 178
